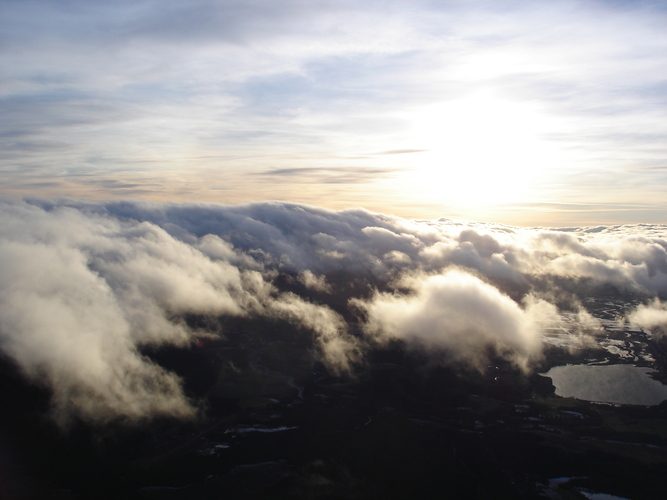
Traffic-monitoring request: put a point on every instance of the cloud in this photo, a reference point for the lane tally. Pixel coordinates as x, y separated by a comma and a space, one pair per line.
340, 350
85, 285
298, 237
459, 316
652, 316
64, 327
317, 283
81, 293
401, 151
331, 175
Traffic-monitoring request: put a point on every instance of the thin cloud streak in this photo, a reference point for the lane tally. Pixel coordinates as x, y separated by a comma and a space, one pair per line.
401, 151
333, 175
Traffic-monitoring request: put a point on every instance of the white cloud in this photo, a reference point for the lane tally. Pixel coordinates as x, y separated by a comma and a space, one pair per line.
340, 349
310, 280
652, 316
80, 293
83, 285
461, 317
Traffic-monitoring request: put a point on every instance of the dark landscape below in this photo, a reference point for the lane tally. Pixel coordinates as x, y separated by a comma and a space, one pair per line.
276, 424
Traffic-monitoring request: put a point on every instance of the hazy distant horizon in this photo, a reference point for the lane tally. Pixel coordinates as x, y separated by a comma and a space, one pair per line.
519, 218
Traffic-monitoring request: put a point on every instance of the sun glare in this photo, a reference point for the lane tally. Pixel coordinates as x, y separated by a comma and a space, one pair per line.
482, 150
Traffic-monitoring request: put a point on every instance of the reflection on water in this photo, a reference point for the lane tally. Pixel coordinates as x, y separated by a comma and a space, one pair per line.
624, 384
601, 496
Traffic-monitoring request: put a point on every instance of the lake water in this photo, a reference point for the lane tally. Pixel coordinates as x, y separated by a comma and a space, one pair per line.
623, 384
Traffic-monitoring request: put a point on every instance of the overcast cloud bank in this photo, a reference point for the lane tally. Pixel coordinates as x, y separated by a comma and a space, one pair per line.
84, 285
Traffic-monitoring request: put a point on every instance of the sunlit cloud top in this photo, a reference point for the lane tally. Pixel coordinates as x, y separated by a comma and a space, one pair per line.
533, 113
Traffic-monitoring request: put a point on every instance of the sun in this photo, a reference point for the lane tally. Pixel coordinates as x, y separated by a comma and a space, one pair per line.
482, 150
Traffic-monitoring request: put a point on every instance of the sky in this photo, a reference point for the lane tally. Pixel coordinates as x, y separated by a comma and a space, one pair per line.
525, 113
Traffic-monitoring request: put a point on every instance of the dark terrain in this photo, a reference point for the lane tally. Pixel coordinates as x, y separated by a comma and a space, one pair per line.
275, 423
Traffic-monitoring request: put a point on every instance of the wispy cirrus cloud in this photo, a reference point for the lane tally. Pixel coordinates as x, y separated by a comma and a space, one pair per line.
571, 98
401, 151
327, 175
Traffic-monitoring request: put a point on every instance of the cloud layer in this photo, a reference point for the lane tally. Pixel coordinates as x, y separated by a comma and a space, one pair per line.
84, 285
82, 292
